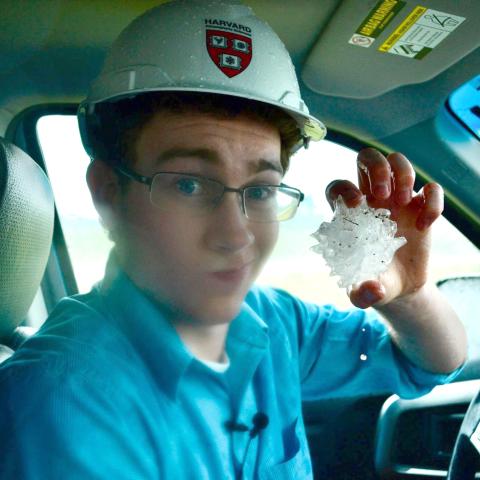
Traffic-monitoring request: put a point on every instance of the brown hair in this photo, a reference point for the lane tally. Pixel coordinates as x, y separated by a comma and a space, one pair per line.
118, 124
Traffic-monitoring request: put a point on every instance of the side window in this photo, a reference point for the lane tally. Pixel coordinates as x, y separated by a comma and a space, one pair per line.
292, 266
66, 161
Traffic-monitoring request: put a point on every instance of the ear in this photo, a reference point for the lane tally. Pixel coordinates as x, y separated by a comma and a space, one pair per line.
105, 190
102, 182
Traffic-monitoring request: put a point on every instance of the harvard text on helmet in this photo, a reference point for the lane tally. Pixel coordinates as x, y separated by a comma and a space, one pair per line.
227, 25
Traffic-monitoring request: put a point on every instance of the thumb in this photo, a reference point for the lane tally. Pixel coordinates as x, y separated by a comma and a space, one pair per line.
367, 294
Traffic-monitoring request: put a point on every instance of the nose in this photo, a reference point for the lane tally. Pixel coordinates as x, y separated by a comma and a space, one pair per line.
229, 230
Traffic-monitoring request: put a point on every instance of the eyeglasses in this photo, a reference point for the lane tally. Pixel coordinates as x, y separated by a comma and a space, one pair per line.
196, 195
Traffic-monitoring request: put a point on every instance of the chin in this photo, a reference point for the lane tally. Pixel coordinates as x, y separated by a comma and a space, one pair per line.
217, 312
207, 306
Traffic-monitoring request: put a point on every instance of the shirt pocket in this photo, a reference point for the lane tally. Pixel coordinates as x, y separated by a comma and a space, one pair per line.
296, 462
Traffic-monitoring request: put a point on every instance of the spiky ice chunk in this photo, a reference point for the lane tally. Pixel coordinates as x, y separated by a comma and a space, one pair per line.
359, 243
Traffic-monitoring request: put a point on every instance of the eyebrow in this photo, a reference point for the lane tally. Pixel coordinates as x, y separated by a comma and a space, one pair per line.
211, 157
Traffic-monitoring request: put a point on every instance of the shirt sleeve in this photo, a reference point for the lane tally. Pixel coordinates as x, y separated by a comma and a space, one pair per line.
57, 423
348, 353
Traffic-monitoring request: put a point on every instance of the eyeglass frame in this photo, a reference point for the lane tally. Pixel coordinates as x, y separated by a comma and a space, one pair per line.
127, 172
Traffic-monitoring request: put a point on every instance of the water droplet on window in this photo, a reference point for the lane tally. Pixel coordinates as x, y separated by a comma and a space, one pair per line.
363, 357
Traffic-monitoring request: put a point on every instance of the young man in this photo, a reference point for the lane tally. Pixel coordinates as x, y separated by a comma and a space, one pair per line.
175, 366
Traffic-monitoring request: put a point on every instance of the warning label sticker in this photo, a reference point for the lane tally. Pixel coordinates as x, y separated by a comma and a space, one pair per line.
375, 22
420, 33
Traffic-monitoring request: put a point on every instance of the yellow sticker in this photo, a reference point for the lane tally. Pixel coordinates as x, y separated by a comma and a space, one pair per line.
420, 33
402, 28
375, 22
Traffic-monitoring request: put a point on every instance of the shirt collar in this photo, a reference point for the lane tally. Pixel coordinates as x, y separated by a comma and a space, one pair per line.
146, 326
156, 340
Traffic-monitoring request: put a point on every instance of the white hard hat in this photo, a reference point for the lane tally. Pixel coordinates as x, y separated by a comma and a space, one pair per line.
209, 46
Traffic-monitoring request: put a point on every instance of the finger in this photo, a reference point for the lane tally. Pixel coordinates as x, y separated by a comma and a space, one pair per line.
403, 176
432, 208
363, 180
349, 191
367, 294
374, 173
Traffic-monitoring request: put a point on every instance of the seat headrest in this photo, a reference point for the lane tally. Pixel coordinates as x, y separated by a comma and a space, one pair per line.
26, 228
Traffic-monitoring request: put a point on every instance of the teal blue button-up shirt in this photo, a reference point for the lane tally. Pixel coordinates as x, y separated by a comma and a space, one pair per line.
107, 389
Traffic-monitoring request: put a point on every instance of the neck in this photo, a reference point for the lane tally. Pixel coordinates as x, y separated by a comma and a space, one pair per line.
206, 342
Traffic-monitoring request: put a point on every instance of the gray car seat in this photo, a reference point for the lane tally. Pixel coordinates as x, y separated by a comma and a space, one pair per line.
26, 228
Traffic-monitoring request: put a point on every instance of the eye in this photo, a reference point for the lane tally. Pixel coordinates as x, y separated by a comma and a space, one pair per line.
189, 186
260, 193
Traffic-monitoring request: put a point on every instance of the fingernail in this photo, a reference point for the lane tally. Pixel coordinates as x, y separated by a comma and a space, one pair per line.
381, 190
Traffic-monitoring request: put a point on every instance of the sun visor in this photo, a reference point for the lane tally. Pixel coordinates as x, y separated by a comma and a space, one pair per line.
389, 43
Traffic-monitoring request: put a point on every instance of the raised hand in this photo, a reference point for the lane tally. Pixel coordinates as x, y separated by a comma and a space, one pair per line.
387, 182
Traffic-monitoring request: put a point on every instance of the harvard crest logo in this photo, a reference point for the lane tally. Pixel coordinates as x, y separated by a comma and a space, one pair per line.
229, 46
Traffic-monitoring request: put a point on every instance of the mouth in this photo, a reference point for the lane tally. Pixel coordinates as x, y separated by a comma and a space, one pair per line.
233, 275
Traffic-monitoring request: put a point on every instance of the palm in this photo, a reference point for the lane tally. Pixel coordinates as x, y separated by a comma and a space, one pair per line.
408, 270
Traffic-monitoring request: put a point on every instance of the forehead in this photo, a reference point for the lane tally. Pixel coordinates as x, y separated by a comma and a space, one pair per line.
242, 137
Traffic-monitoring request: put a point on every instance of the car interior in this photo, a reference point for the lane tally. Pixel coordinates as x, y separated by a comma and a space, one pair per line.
397, 75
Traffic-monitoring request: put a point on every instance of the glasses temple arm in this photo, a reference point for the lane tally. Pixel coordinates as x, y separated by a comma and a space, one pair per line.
133, 175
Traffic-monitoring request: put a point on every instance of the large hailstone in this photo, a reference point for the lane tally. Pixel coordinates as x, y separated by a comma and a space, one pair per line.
359, 243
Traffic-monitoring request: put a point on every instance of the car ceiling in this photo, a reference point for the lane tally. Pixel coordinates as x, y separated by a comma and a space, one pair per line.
50, 50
